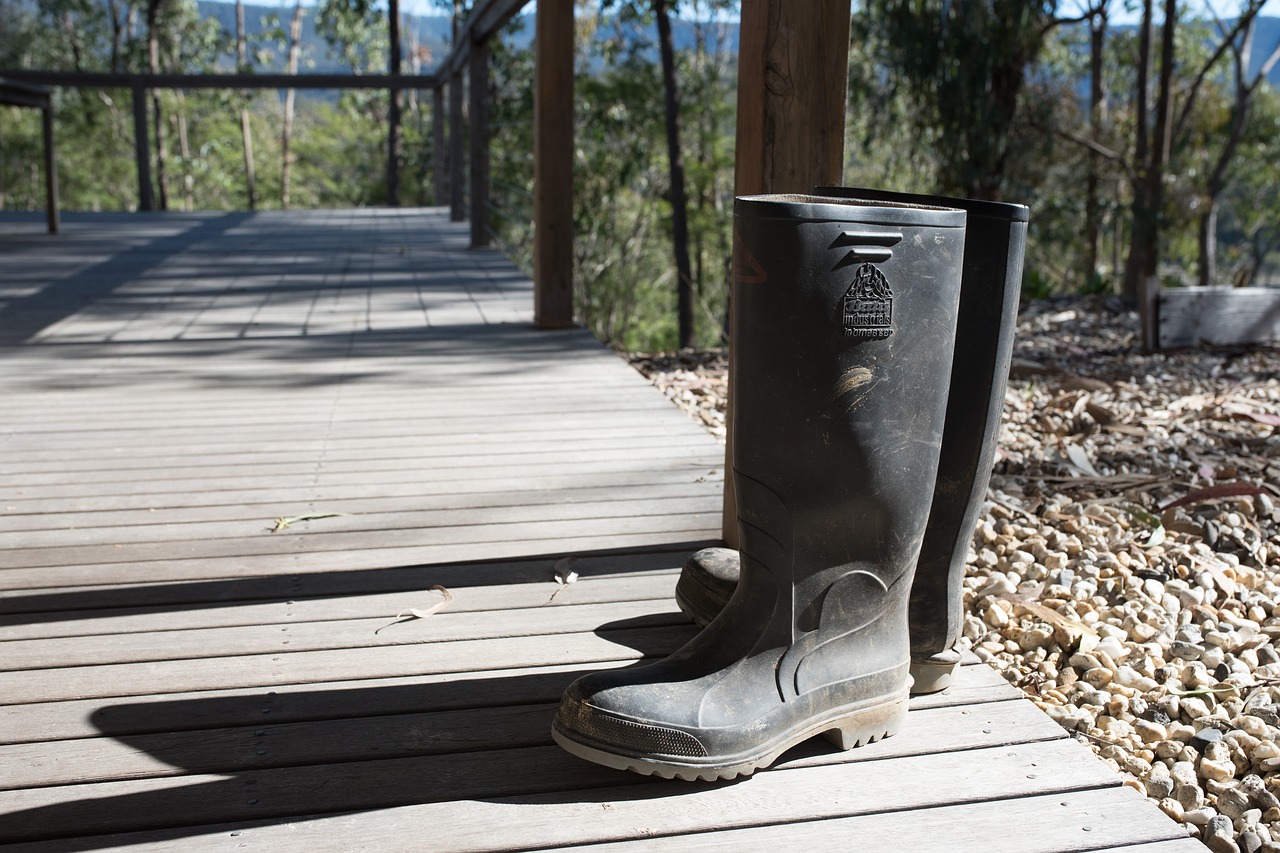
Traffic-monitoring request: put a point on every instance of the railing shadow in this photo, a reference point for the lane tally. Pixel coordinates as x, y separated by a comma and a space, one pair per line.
292, 755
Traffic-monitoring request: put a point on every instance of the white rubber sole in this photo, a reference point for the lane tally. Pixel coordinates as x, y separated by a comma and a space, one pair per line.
933, 674
843, 729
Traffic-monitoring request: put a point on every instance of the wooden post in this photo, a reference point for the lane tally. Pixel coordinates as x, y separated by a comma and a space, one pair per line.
439, 156
457, 199
1148, 312
142, 153
394, 135
793, 68
50, 168
553, 166
479, 89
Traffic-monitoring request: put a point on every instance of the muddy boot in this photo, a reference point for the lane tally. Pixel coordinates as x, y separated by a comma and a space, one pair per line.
994, 241
844, 319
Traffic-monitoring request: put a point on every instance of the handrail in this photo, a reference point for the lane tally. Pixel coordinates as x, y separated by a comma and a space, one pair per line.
486, 18
129, 80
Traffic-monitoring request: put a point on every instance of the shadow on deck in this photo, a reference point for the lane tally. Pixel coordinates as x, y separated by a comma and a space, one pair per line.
178, 669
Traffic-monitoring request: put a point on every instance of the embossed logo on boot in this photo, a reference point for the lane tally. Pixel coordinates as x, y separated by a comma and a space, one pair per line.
868, 305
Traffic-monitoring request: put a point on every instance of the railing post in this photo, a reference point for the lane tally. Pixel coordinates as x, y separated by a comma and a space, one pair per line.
142, 152
793, 68
457, 198
394, 135
439, 155
553, 166
478, 86
50, 167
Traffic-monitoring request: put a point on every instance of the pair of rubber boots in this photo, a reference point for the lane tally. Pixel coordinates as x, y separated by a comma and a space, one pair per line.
872, 339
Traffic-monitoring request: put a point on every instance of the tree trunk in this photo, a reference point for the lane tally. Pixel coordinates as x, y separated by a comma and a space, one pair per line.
73, 39
246, 130
117, 27
1217, 180
1097, 109
1207, 243
1148, 283
679, 204
393, 119
184, 149
1136, 262
153, 64
286, 131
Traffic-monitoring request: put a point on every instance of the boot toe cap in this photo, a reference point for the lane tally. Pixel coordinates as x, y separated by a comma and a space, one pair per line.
602, 717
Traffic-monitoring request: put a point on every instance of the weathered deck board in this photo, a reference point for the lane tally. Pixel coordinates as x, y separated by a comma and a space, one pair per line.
173, 674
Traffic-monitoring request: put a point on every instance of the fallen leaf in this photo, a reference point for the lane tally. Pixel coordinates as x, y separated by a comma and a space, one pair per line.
1066, 632
284, 521
1155, 539
1218, 490
564, 575
414, 613
1101, 414
1080, 460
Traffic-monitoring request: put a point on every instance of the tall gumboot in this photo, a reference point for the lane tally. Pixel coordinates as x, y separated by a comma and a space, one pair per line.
844, 320
995, 239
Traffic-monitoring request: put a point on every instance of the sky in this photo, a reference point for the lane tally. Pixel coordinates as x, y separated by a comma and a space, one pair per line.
1123, 11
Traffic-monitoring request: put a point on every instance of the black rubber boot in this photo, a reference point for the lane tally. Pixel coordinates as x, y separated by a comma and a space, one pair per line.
995, 238
844, 318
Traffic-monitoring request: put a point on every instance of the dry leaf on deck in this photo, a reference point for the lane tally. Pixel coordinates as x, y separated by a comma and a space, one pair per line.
285, 521
564, 575
414, 613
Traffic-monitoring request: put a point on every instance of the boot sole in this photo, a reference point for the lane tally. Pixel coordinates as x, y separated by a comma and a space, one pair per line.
934, 673
844, 728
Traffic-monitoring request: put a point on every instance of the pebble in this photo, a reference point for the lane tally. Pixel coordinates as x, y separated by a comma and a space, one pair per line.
1219, 835
1204, 737
1165, 656
1233, 802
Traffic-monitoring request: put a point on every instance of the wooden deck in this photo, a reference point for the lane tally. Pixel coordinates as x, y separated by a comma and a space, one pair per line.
176, 675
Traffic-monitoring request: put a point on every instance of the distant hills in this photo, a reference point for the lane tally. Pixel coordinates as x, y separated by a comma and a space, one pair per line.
433, 36
1265, 38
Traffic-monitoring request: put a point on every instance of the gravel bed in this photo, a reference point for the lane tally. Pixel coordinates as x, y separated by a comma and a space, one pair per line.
1126, 574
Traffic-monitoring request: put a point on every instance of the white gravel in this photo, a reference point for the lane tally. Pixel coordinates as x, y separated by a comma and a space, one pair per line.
1126, 574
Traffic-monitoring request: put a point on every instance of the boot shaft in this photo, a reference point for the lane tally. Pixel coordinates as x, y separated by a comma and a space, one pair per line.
843, 319
995, 241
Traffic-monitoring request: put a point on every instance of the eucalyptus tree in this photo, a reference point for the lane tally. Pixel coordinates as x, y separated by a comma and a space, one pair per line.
963, 64
1231, 127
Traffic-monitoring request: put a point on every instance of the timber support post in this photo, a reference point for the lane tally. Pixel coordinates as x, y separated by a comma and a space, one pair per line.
553, 166
793, 71
395, 102
478, 87
50, 167
141, 148
457, 197
15, 93
439, 154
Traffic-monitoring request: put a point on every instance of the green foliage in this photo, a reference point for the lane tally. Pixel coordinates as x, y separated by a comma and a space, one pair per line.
625, 280
339, 140
962, 64
356, 30
975, 98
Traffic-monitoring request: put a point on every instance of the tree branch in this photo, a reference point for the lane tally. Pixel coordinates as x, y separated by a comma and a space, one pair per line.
1247, 16
1090, 13
1267, 66
1090, 144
